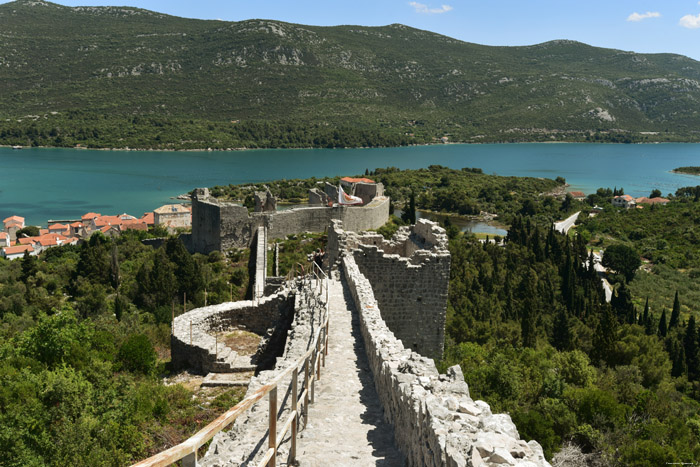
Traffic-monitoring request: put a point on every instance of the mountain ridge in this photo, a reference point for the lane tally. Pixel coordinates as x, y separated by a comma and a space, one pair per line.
96, 70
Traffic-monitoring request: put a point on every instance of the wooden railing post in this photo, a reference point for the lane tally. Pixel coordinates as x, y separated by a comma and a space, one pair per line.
272, 437
295, 428
318, 355
306, 393
190, 460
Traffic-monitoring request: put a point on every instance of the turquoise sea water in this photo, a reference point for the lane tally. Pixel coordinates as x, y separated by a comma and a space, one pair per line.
41, 184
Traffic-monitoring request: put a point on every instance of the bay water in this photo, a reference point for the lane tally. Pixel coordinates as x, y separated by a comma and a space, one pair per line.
44, 183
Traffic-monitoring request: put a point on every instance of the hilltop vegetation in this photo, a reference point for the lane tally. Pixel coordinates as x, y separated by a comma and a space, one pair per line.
126, 77
85, 340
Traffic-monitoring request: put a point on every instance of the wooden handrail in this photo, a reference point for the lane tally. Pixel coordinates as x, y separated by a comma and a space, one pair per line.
187, 450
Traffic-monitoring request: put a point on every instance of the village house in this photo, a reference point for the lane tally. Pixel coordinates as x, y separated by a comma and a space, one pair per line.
12, 225
149, 219
15, 252
624, 201
4, 239
173, 216
578, 195
60, 229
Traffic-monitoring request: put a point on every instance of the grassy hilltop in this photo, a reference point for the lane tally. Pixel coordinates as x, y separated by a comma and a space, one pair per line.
121, 76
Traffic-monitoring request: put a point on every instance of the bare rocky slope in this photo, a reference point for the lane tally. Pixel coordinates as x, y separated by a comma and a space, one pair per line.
114, 76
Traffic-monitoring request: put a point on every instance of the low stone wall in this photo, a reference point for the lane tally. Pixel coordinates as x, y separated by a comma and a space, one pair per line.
435, 421
193, 346
246, 442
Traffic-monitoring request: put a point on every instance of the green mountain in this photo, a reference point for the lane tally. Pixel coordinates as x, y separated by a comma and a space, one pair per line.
120, 76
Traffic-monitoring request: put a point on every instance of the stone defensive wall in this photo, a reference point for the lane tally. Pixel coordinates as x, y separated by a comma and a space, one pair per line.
436, 422
218, 225
409, 275
195, 347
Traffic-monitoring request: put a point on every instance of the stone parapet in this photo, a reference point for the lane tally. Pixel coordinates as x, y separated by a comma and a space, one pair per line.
436, 422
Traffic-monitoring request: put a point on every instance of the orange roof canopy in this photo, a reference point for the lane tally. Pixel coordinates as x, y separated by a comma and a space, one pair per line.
357, 180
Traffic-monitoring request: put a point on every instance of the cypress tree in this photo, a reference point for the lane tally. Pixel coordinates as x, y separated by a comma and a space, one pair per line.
605, 338
675, 313
645, 315
663, 329
690, 346
561, 333
677, 354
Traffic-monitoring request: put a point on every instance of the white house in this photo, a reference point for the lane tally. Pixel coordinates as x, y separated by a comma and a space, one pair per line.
624, 201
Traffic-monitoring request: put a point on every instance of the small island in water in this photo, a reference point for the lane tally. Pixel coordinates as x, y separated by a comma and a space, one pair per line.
687, 170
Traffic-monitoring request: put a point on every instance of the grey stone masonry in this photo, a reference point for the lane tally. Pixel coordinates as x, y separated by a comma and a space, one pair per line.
409, 275
435, 421
260, 277
218, 225
194, 347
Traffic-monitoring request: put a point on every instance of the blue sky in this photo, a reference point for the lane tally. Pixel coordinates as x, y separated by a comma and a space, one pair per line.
647, 26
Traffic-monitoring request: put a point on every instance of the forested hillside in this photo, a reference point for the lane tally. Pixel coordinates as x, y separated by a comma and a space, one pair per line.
126, 77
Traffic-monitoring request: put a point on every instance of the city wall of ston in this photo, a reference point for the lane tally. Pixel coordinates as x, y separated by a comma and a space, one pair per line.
218, 225
436, 423
409, 275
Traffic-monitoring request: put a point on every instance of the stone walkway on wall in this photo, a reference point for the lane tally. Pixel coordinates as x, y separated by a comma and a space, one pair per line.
346, 423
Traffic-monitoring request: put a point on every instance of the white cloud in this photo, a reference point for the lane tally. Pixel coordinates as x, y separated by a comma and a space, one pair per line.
690, 21
640, 16
423, 8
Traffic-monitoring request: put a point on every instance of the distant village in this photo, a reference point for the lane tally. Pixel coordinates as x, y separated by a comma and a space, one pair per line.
15, 242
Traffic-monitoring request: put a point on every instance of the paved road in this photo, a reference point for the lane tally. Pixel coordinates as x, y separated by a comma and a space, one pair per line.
601, 273
346, 423
566, 224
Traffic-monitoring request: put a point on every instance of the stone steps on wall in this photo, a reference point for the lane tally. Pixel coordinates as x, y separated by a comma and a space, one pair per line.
227, 379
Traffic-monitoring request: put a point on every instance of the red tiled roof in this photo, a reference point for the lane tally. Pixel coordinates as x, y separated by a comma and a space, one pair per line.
58, 227
658, 200
625, 197
14, 218
13, 224
107, 220
43, 232
76, 224
4, 235
48, 241
138, 225
90, 216
577, 194
27, 240
149, 218
13, 250
357, 180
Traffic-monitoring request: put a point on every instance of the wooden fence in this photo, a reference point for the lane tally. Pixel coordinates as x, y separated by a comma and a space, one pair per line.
308, 367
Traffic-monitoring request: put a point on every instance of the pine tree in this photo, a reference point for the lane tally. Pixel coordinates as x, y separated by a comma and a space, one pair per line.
663, 329
675, 313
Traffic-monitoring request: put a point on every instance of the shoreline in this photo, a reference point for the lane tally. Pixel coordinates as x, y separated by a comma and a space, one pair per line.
470, 143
